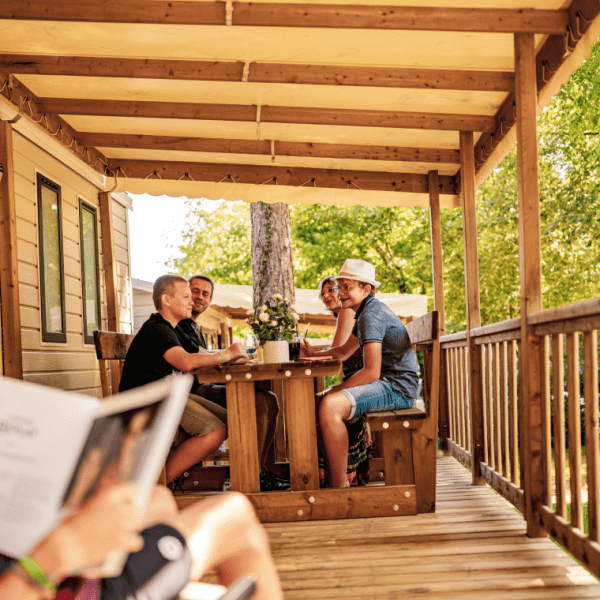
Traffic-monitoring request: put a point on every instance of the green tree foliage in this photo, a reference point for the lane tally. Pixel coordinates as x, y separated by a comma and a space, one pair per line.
216, 242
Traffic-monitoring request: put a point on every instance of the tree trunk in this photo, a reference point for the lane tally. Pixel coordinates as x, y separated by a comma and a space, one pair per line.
272, 261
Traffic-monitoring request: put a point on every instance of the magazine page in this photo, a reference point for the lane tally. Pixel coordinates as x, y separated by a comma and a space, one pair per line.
42, 432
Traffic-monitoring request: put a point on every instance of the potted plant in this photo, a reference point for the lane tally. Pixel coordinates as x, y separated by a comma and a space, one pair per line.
274, 324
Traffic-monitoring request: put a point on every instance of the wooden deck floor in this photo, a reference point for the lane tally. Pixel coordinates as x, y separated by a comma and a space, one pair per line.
473, 547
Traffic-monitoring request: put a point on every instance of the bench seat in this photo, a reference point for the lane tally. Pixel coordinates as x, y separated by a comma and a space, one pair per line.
407, 439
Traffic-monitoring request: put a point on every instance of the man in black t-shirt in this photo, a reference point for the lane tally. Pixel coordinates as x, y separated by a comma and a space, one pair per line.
157, 351
267, 406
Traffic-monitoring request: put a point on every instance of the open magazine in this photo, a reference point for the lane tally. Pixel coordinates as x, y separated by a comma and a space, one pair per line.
57, 447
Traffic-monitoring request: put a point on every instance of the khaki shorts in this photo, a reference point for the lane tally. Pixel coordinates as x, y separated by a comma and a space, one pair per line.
201, 417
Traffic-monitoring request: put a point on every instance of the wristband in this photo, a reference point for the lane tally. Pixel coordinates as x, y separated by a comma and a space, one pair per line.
29, 570
222, 357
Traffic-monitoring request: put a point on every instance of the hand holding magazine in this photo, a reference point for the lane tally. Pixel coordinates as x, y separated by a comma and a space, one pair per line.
57, 448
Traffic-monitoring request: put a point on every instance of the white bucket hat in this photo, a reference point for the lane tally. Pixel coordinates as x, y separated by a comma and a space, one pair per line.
358, 270
322, 283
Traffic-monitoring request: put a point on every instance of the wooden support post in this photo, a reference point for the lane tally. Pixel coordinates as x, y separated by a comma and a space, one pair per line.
438, 291
530, 361
225, 339
436, 249
467, 170
110, 272
9, 275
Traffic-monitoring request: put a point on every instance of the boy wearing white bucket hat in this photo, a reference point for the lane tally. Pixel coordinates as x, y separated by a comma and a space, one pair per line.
389, 379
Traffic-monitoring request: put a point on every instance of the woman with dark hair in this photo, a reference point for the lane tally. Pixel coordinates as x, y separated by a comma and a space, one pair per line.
357, 472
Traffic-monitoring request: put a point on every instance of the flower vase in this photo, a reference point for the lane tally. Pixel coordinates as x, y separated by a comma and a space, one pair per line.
276, 351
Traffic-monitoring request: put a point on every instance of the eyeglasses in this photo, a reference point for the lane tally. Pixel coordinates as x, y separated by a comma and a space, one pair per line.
344, 288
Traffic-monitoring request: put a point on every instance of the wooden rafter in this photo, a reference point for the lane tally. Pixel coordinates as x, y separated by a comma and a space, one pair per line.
29, 106
200, 70
263, 147
323, 178
551, 55
270, 114
298, 15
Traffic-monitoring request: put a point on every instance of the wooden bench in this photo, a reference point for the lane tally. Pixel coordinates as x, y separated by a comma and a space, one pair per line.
111, 349
409, 437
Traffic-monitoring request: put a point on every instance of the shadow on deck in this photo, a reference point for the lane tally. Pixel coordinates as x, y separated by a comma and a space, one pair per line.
473, 547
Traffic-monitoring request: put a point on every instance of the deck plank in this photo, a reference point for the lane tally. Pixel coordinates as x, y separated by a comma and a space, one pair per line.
474, 546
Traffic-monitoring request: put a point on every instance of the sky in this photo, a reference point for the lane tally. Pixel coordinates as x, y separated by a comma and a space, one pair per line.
155, 227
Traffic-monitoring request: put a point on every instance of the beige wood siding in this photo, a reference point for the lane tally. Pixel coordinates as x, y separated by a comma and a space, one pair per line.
71, 365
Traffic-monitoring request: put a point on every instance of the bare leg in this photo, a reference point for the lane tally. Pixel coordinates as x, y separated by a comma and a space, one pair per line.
333, 411
223, 533
267, 408
192, 451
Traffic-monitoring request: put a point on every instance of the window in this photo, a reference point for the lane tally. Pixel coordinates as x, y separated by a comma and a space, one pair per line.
52, 279
90, 296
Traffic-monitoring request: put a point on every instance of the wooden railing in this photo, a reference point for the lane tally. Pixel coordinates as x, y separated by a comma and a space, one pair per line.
568, 339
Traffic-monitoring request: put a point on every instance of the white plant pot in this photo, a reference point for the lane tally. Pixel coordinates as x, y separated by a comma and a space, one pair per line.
276, 352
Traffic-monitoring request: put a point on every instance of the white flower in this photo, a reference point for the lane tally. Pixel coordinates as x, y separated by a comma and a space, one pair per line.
263, 317
277, 296
249, 312
274, 323
263, 308
296, 316
292, 307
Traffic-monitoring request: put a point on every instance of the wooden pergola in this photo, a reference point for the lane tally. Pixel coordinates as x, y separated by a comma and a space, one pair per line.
356, 104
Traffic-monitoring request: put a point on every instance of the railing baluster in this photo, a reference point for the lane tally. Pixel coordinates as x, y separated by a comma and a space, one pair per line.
546, 429
490, 406
455, 398
466, 397
521, 421
513, 408
497, 407
560, 457
449, 392
590, 370
504, 409
574, 428
486, 433
461, 396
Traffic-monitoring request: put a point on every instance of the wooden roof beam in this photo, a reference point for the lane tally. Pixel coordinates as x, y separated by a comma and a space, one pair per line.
547, 61
292, 176
177, 12
199, 70
270, 114
263, 147
28, 104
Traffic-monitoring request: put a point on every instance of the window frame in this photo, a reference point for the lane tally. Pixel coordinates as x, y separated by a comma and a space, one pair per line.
51, 336
86, 206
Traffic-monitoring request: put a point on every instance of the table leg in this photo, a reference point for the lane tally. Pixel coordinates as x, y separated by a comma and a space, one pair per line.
243, 446
302, 433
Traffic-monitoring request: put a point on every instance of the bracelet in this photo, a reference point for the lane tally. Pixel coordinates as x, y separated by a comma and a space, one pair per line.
29, 570
222, 357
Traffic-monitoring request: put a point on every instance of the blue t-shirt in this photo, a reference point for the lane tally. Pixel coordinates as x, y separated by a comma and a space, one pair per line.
375, 322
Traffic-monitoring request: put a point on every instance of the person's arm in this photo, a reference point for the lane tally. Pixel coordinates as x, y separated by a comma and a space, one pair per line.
346, 350
343, 326
186, 362
82, 539
368, 374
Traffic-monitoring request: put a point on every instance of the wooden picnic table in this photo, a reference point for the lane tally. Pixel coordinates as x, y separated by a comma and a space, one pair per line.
298, 380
